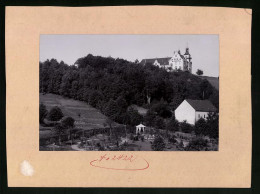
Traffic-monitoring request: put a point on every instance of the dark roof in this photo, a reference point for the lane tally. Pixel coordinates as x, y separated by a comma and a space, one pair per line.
162, 61
202, 105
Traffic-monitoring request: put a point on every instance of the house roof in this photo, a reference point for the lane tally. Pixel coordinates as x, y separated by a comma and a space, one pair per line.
202, 105
162, 61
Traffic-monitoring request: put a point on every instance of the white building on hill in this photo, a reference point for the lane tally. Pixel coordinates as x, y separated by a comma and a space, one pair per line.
174, 63
193, 110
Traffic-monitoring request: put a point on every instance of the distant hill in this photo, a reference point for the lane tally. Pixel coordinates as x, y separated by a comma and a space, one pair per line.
214, 81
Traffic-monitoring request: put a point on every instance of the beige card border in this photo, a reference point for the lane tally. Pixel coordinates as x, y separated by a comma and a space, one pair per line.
229, 167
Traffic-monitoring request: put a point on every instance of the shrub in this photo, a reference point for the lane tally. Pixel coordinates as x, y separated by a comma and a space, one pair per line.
201, 127
172, 139
67, 122
197, 144
172, 124
158, 144
55, 114
159, 123
186, 127
136, 138
212, 121
162, 109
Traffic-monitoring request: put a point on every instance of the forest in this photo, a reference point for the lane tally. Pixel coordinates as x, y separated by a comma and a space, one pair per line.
113, 85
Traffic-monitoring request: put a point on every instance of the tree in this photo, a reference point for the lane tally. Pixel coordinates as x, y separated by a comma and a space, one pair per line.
149, 118
95, 97
159, 122
199, 72
43, 113
68, 123
162, 109
121, 102
213, 123
172, 139
158, 144
206, 89
201, 127
55, 114
197, 144
59, 130
186, 127
172, 124
108, 122
134, 117
112, 110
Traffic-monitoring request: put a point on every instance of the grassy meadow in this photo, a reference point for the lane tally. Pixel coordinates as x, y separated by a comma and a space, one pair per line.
86, 117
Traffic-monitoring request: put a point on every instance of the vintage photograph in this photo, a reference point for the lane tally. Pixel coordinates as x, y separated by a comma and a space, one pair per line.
129, 92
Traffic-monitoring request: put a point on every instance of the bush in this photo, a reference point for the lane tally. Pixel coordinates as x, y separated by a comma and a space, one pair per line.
201, 127
67, 122
172, 139
172, 125
212, 121
197, 144
162, 109
55, 114
159, 123
158, 144
186, 127
136, 138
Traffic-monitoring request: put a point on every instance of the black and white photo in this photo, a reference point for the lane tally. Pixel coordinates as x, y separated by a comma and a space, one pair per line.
129, 92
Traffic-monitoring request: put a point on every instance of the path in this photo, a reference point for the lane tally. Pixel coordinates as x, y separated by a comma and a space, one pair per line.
75, 147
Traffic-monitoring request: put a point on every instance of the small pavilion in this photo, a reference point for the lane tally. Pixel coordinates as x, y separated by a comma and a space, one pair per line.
140, 129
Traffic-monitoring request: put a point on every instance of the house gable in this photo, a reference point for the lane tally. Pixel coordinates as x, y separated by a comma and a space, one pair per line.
176, 62
185, 112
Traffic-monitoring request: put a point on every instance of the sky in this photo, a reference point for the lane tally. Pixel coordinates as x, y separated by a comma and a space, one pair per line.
204, 49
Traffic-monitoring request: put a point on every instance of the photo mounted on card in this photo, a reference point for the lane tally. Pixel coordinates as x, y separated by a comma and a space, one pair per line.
123, 97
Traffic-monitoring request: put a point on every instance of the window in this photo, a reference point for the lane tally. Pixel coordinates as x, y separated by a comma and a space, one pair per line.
204, 116
199, 115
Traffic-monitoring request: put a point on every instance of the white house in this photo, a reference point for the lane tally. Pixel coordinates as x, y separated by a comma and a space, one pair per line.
193, 110
140, 129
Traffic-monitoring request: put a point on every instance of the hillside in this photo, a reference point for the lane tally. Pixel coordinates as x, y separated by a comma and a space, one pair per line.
85, 115
112, 85
214, 81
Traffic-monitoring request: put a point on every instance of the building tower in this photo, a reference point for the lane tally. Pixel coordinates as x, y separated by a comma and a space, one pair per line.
188, 62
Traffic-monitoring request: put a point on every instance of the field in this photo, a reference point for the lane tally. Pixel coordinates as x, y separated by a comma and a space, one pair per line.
85, 115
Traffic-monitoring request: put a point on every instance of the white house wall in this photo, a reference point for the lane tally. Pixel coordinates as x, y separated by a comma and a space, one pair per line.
203, 115
176, 62
185, 112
